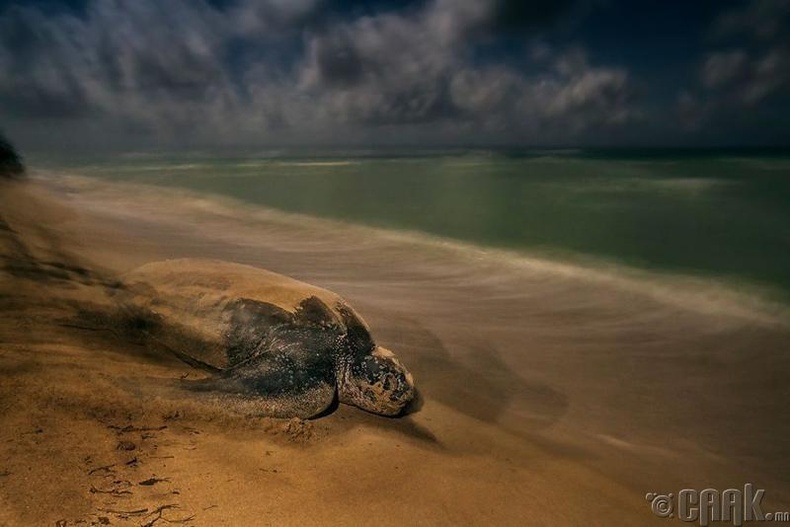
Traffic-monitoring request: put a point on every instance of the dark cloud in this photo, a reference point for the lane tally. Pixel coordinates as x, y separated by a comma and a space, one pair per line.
723, 68
413, 106
38, 80
740, 81
569, 98
394, 69
176, 71
747, 72
255, 70
762, 19
36, 101
338, 62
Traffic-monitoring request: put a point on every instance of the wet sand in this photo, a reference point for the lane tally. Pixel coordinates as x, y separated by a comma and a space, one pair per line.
551, 394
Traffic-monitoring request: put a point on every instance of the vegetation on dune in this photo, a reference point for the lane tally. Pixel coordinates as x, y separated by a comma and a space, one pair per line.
11, 165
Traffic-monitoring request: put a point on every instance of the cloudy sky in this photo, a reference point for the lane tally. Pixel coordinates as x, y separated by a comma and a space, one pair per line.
188, 73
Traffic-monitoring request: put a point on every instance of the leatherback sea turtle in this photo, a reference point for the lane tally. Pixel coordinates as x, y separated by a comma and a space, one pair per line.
294, 346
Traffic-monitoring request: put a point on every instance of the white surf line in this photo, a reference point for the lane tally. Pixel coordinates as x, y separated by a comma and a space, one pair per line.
699, 294
317, 163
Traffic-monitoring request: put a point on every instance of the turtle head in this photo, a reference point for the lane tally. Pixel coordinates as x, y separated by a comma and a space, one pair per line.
377, 382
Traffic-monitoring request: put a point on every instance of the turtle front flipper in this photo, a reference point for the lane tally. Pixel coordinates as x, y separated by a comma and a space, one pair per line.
269, 393
293, 377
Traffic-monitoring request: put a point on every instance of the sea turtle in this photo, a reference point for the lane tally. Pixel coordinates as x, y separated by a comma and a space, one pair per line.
296, 347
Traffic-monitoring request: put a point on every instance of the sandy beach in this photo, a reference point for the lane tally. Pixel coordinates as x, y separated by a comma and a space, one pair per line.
551, 394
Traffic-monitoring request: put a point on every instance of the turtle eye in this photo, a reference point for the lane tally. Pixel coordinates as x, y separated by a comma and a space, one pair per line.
388, 382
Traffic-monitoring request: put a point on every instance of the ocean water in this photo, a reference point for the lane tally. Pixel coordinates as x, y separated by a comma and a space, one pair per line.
722, 214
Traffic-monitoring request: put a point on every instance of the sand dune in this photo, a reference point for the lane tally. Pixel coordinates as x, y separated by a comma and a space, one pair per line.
548, 397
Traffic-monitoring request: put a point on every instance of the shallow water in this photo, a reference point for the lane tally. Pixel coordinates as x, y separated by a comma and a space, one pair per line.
713, 213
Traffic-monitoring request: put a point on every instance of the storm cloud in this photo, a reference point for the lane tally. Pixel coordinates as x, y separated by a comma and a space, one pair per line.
747, 71
325, 71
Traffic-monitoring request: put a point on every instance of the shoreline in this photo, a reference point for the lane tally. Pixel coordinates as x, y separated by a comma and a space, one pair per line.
678, 217
736, 297
535, 388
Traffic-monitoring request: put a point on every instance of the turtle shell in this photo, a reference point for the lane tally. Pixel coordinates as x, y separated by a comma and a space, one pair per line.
220, 314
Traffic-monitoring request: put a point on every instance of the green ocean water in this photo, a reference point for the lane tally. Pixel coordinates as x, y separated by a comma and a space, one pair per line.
719, 213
